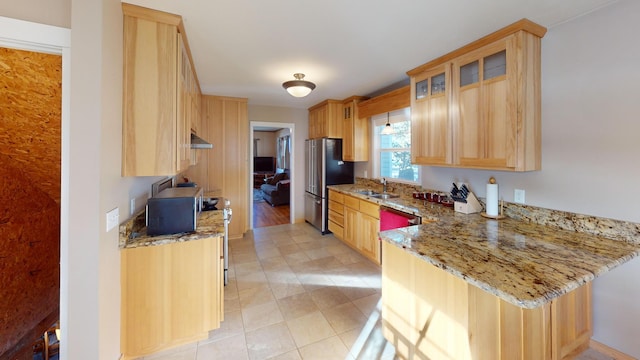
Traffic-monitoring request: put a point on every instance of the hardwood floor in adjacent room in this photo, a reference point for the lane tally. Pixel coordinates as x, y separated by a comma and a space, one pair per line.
267, 215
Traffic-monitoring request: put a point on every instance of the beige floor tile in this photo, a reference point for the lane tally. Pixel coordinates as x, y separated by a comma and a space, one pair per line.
256, 295
261, 315
184, 352
328, 297
312, 282
295, 306
339, 249
231, 326
327, 349
289, 249
355, 293
247, 268
231, 289
368, 304
232, 348
349, 257
282, 275
291, 355
267, 253
231, 305
282, 290
282, 240
245, 257
270, 341
319, 253
247, 281
296, 258
274, 263
305, 244
344, 317
310, 328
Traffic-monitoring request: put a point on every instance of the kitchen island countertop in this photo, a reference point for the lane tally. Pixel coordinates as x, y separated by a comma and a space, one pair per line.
523, 263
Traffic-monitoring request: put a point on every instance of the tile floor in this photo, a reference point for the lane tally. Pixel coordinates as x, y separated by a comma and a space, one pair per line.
294, 294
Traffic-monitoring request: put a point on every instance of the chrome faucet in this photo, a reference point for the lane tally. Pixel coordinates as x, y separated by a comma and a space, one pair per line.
384, 185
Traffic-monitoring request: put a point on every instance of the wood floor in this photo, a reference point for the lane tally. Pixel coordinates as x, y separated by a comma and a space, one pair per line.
267, 215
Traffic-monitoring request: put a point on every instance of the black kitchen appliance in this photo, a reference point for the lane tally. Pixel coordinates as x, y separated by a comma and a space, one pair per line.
174, 210
323, 166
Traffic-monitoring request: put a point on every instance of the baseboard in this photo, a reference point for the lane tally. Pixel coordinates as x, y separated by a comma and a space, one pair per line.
604, 349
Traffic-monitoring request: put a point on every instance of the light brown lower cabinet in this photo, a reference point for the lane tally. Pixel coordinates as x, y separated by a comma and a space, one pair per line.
361, 226
428, 313
336, 214
171, 295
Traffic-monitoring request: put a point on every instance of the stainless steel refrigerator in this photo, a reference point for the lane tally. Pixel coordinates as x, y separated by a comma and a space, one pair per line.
323, 166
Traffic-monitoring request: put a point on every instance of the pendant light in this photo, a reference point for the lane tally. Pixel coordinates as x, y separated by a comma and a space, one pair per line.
299, 87
388, 130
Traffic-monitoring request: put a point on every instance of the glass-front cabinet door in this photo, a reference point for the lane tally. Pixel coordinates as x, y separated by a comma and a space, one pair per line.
485, 121
430, 123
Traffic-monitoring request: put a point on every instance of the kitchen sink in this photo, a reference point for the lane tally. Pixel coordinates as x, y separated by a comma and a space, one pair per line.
368, 192
385, 196
377, 195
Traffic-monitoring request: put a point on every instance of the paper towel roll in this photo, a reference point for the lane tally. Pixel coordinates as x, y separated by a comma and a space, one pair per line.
492, 199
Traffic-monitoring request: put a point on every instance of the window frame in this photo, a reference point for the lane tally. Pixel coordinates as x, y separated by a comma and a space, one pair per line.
396, 116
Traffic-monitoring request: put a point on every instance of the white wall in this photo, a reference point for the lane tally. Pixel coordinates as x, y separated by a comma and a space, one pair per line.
299, 117
267, 143
92, 324
590, 148
50, 12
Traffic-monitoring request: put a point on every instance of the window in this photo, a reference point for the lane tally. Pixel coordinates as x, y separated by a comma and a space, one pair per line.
392, 153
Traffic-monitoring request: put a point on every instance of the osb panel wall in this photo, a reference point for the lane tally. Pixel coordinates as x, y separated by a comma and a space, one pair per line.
30, 127
29, 255
30, 115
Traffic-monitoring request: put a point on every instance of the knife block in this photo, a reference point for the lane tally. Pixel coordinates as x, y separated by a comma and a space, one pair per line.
470, 207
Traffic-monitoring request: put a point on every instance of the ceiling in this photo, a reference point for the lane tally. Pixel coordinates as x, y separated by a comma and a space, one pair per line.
248, 48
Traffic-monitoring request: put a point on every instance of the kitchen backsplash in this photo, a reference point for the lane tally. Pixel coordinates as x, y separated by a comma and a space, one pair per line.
609, 228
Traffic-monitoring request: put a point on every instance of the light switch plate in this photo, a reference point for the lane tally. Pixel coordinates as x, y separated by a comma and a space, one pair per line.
518, 196
113, 217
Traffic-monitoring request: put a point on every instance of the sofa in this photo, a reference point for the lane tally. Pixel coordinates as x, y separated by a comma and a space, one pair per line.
275, 190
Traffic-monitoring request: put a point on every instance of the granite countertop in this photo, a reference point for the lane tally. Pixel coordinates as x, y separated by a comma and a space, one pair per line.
521, 262
133, 233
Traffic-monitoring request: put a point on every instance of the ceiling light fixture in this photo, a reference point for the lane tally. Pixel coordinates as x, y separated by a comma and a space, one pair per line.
388, 130
298, 87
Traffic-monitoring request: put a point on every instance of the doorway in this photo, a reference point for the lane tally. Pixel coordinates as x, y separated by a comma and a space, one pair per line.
271, 142
40, 54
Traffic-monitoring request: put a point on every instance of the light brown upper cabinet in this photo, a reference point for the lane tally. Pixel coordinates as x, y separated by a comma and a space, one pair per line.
479, 106
430, 120
325, 120
159, 94
355, 131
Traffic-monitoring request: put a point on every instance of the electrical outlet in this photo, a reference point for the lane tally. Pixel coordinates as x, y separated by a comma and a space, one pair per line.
132, 206
518, 196
113, 218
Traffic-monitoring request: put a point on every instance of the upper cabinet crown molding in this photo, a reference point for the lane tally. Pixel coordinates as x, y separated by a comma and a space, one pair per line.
479, 107
520, 25
387, 102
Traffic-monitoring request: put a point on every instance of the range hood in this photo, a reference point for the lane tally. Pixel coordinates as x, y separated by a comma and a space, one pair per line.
199, 143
